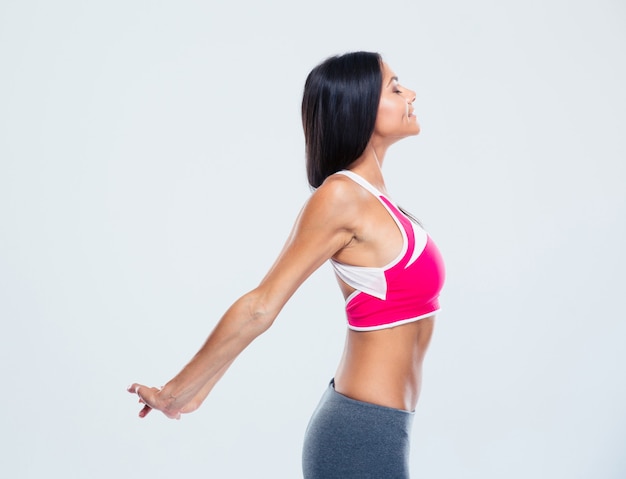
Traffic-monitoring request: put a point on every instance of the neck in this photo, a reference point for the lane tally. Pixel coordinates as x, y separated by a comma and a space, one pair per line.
369, 166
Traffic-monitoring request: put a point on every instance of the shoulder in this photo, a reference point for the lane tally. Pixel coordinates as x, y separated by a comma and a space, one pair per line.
339, 190
337, 201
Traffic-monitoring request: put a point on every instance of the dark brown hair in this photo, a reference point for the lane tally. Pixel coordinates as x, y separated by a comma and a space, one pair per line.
339, 108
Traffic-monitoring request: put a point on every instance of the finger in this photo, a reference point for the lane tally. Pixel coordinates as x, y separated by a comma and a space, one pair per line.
142, 399
133, 388
141, 391
144, 412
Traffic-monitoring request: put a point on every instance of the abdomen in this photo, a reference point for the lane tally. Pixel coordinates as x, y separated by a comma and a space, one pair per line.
384, 367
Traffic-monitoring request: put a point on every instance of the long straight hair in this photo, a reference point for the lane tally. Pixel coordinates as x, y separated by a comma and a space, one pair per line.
339, 108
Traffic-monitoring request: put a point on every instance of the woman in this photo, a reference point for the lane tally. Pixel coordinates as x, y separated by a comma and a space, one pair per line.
387, 267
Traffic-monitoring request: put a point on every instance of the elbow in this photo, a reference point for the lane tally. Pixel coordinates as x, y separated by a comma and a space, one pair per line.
260, 313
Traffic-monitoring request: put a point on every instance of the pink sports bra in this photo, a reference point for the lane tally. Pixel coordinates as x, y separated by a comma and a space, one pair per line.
405, 290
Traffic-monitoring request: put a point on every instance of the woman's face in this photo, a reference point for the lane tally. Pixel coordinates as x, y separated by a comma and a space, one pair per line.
395, 119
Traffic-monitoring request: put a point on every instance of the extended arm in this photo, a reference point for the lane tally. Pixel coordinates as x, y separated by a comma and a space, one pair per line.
323, 227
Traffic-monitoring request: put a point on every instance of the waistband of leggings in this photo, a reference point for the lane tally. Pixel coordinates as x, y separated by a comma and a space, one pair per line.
338, 396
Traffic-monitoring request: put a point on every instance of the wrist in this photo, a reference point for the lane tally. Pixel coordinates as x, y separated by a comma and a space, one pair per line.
169, 397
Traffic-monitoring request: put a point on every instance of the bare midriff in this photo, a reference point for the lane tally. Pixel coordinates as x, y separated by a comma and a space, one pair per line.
384, 367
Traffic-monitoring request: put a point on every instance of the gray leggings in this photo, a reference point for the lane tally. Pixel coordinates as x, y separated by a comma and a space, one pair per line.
347, 438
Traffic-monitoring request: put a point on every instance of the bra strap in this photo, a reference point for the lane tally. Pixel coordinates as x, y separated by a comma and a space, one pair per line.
361, 181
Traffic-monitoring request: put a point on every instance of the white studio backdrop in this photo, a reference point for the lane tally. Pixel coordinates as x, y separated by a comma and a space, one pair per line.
151, 167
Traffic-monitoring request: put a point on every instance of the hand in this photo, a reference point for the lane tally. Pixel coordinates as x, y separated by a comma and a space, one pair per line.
154, 398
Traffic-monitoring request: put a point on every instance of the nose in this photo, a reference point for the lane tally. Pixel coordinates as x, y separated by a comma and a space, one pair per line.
410, 95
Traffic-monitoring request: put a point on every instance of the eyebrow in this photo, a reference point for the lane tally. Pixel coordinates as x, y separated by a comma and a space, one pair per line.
392, 79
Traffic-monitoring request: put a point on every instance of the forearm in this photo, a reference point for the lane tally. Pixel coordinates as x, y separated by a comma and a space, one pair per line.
199, 398
241, 324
